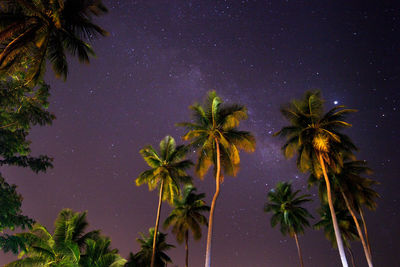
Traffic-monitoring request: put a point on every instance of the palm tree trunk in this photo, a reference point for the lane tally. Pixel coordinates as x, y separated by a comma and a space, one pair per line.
338, 236
214, 200
299, 250
187, 248
352, 257
153, 255
365, 230
360, 234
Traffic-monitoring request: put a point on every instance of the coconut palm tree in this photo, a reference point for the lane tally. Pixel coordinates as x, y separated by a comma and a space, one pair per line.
167, 171
43, 250
187, 215
287, 211
217, 140
99, 254
355, 191
346, 224
33, 31
144, 257
316, 138
71, 225
358, 191
62, 248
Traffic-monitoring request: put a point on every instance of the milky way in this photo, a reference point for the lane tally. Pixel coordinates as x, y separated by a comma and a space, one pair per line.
162, 56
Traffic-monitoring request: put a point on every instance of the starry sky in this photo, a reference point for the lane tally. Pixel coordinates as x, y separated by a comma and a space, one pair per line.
162, 56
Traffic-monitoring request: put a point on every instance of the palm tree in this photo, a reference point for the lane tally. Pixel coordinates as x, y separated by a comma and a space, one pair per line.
168, 171
43, 250
215, 136
62, 248
287, 211
33, 31
72, 226
347, 227
187, 215
144, 257
99, 254
356, 190
359, 188
317, 140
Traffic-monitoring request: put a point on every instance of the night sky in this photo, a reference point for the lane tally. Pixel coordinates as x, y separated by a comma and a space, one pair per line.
161, 57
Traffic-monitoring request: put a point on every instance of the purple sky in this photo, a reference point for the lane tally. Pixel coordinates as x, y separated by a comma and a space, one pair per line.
162, 56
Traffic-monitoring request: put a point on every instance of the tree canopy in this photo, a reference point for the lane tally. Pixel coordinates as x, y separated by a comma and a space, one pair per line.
21, 108
143, 257
32, 32
286, 209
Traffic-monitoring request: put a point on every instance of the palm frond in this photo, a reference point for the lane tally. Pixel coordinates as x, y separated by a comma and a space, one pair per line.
286, 209
57, 57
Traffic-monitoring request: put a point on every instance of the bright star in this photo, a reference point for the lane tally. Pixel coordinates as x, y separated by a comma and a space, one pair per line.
335, 102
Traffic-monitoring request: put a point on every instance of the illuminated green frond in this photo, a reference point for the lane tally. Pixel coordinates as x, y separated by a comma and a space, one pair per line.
167, 147
193, 135
145, 177
151, 156
315, 103
62, 248
311, 132
218, 122
304, 163
241, 139
230, 116
213, 113
199, 115
290, 147
204, 161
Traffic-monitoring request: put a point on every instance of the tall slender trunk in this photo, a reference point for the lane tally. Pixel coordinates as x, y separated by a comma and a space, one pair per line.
338, 236
187, 248
153, 255
359, 231
352, 257
214, 200
299, 250
365, 230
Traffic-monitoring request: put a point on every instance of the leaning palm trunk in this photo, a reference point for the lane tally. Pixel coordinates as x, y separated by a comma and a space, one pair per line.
187, 248
153, 255
338, 236
352, 257
214, 200
360, 234
299, 250
365, 230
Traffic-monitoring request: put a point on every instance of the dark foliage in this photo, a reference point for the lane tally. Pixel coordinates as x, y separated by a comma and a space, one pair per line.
21, 107
32, 32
